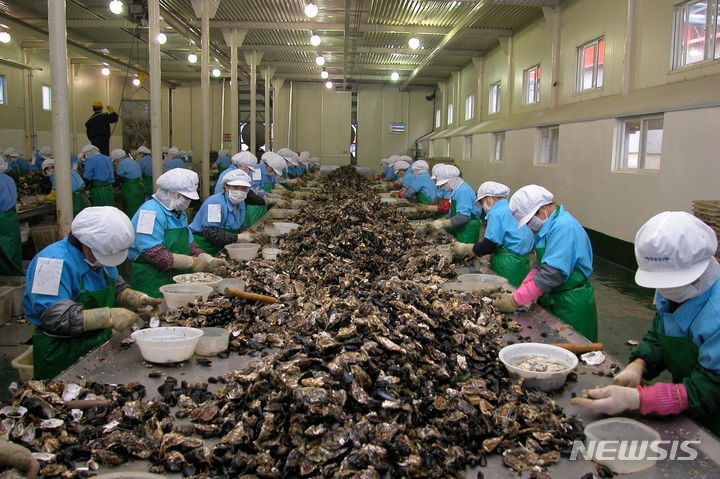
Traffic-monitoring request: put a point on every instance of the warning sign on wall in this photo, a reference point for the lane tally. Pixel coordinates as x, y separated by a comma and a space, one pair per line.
227, 136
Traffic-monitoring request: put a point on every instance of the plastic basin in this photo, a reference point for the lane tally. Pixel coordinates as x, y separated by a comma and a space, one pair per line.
242, 251
545, 381
187, 279
623, 429
234, 283
178, 295
270, 253
285, 228
167, 344
482, 278
213, 341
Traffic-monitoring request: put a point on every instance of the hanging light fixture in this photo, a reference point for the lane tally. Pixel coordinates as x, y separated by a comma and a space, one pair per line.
192, 58
105, 71
324, 74
5, 37
394, 76
414, 43
136, 81
311, 10
161, 38
315, 40
328, 84
116, 7
320, 60
216, 72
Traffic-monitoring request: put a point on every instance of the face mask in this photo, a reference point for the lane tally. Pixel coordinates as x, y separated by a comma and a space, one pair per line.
486, 207
96, 264
181, 203
236, 196
536, 223
706, 280
680, 294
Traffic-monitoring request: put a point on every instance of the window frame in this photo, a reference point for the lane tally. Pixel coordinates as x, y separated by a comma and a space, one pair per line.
579, 74
526, 86
450, 113
438, 118
498, 138
547, 156
448, 147
620, 163
3, 88
470, 106
495, 90
467, 150
45, 88
711, 52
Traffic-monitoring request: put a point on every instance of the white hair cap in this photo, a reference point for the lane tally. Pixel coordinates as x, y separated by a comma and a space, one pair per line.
244, 158
492, 188
107, 231
180, 180
400, 165
10, 152
117, 153
420, 166
446, 173
145, 150
237, 178
527, 200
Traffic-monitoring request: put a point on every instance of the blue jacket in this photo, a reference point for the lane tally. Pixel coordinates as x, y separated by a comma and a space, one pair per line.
566, 244
164, 219
176, 162
425, 185
146, 165
8, 193
73, 270
229, 218
99, 168
76, 181
464, 198
19, 163
129, 168
223, 162
503, 231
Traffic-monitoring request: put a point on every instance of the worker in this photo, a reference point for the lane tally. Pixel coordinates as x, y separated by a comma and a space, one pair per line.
314, 164
274, 167
561, 281
221, 217
675, 255
508, 244
164, 150
293, 169
422, 187
37, 158
146, 169
255, 205
442, 203
383, 169
98, 126
10, 244
13, 455
189, 157
16, 166
304, 160
173, 159
79, 198
98, 171
223, 161
183, 156
164, 245
74, 294
391, 175
463, 220
130, 174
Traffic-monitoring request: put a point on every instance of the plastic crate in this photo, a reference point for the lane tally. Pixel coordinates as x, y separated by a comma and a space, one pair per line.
17, 283
24, 364
43, 236
6, 296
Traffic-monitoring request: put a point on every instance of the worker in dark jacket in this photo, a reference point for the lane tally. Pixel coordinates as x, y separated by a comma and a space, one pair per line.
98, 126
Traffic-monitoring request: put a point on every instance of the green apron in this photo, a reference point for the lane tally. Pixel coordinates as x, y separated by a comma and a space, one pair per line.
681, 357
423, 200
80, 201
468, 233
573, 302
509, 265
52, 354
148, 185
147, 278
133, 192
267, 187
211, 248
253, 213
10, 244
101, 194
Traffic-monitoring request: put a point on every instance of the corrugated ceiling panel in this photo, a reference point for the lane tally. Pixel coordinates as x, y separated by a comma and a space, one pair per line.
390, 58
412, 12
289, 56
506, 16
398, 40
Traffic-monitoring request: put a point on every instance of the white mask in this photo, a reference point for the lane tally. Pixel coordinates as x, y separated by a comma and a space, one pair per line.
536, 223
96, 264
681, 294
181, 203
236, 196
485, 206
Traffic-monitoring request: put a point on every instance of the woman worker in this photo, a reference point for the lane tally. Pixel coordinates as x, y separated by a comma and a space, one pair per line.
675, 255
422, 187
508, 244
255, 205
10, 244
74, 294
561, 282
463, 221
145, 163
79, 198
133, 191
221, 217
98, 172
164, 245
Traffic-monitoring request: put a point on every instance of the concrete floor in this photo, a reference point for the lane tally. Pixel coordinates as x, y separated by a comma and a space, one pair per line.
624, 313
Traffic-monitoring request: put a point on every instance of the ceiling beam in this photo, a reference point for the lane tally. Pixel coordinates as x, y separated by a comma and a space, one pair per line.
105, 23
371, 66
528, 3
339, 77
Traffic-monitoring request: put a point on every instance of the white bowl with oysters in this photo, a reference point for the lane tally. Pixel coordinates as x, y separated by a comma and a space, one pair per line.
542, 366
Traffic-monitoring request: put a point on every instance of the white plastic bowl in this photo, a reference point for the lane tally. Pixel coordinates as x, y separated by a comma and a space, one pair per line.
285, 228
620, 428
178, 295
242, 251
234, 283
388, 200
184, 279
212, 342
482, 278
167, 344
270, 253
545, 381
463, 287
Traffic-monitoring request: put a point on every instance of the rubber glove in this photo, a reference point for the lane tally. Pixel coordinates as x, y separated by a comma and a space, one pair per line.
298, 203
441, 224
119, 319
386, 187
110, 109
504, 302
631, 376
245, 237
461, 250
428, 208
409, 211
43, 198
204, 262
271, 201
182, 261
18, 457
302, 194
385, 195
131, 298
610, 400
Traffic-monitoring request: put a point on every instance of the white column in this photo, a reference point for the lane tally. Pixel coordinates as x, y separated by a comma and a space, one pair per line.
205, 97
60, 117
268, 90
155, 93
30, 136
234, 114
277, 84
253, 107
629, 48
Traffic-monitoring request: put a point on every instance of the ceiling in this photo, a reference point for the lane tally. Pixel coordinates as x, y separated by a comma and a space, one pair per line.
362, 40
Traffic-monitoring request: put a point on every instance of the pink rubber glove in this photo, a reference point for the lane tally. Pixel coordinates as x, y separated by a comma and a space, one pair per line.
663, 399
528, 290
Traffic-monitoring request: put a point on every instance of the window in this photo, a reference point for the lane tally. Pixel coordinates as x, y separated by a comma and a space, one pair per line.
498, 142
450, 114
438, 118
447, 148
46, 98
640, 143
531, 85
2, 89
468, 147
591, 65
494, 103
548, 145
470, 107
695, 36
